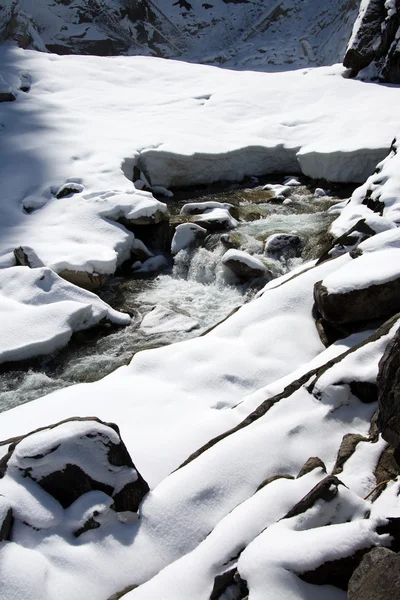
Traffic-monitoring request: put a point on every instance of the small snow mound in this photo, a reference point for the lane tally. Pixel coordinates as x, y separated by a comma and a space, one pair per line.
187, 235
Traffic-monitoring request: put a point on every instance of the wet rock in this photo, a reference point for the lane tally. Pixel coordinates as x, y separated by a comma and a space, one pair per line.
199, 208
83, 279
377, 577
187, 235
242, 264
231, 240
283, 245
375, 301
75, 457
140, 251
388, 383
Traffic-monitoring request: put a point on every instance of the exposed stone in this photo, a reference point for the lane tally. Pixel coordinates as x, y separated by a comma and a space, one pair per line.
187, 235
283, 245
68, 189
347, 448
122, 593
83, 279
375, 40
389, 395
7, 97
77, 456
273, 478
229, 585
312, 463
377, 577
335, 572
325, 490
373, 302
243, 264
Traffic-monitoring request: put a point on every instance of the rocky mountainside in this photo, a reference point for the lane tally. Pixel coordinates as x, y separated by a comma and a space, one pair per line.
244, 34
375, 42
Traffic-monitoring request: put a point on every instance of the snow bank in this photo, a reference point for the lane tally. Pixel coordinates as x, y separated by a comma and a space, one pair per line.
40, 311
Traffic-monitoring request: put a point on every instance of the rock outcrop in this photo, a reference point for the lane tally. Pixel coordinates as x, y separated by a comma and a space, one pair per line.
375, 40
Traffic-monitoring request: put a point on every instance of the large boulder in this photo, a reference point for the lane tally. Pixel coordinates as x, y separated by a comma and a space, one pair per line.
377, 577
243, 264
74, 457
284, 245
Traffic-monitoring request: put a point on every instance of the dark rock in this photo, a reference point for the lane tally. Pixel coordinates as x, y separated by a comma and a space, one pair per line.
377, 577
21, 257
68, 189
273, 478
375, 301
7, 97
230, 581
335, 572
347, 448
87, 454
376, 41
312, 463
365, 391
325, 490
354, 236
388, 382
284, 246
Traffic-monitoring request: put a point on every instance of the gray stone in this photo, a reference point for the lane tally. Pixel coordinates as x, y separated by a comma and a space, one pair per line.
377, 577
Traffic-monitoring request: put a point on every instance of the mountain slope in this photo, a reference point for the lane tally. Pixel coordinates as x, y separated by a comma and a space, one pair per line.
263, 35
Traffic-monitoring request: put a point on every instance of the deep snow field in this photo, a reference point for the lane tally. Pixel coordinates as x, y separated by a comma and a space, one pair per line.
259, 394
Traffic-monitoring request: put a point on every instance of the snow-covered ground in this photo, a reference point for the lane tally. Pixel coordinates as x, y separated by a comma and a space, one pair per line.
262, 380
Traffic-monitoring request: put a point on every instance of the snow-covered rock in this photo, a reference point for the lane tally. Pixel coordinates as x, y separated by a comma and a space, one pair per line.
243, 264
284, 245
40, 311
187, 235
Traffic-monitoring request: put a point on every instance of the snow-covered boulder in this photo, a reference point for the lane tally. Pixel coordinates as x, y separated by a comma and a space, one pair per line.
40, 311
243, 264
367, 286
151, 265
187, 235
199, 208
215, 219
283, 245
68, 460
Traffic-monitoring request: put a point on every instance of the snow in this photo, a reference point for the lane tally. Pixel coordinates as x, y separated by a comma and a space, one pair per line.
186, 235
40, 311
378, 264
195, 208
243, 257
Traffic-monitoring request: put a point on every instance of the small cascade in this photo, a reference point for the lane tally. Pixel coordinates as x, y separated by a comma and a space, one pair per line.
196, 293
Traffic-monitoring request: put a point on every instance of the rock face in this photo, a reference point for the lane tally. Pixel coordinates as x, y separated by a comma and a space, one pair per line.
377, 577
75, 457
375, 40
389, 395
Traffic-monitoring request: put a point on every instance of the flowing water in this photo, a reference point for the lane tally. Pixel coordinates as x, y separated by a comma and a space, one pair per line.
193, 295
